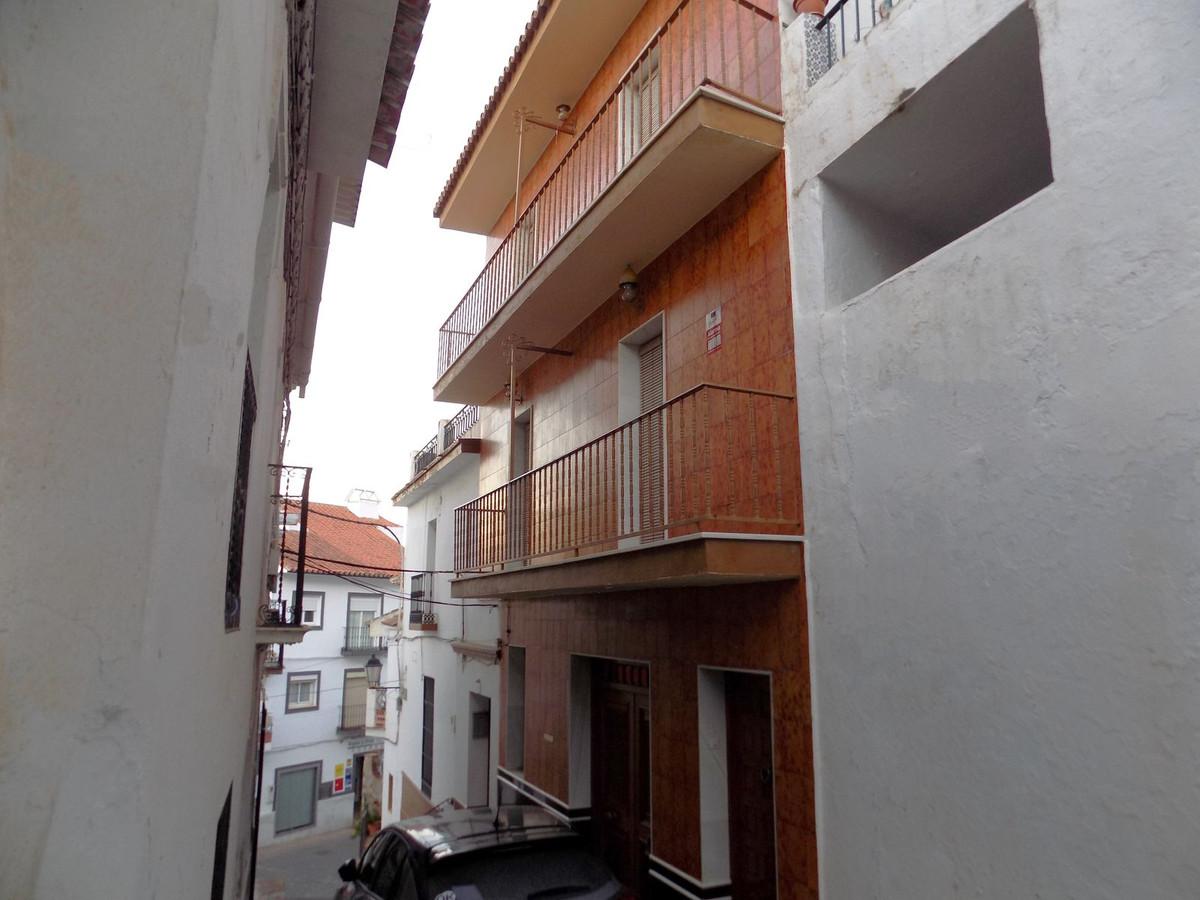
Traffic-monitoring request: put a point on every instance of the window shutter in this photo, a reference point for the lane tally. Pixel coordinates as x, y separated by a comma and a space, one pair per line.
650, 452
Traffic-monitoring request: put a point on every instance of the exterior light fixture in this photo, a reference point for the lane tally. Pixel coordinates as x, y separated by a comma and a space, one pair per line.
562, 110
629, 286
373, 668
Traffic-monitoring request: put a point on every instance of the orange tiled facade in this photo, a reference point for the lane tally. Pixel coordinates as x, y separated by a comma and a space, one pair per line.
734, 259
737, 257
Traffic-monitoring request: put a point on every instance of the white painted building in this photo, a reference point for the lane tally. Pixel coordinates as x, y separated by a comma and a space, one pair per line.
995, 215
443, 717
169, 175
318, 705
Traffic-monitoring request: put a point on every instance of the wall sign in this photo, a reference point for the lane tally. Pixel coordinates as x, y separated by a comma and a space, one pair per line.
712, 330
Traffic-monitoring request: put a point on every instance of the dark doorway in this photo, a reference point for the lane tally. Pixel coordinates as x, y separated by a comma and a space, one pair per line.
751, 786
621, 769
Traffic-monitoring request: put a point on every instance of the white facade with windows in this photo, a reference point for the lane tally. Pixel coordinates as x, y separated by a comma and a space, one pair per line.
443, 715
320, 710
994, 214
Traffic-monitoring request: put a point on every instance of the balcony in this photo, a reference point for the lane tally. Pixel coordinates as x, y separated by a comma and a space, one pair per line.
279, 617
693, 118
702, 490
358, 641
452, 432
827, 38
352, 719
421, 615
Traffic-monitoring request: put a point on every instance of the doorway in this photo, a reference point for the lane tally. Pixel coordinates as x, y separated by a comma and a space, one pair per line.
751, 785
520, 494
479, 751
620, 769
641, 382
295, 797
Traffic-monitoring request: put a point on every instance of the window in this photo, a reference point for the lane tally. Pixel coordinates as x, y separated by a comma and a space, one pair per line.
393, 861
362, 608
237, 518
354, 700
312, 609
303, 691
427, 741
640, 105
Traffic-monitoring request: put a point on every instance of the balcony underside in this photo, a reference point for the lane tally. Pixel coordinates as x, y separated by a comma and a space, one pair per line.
696, 561
709, 148
280, 634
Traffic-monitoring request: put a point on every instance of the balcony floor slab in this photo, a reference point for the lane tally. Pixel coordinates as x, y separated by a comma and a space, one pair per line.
701, 560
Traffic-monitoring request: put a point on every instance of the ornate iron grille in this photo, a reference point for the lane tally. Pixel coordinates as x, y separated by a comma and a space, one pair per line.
237, 518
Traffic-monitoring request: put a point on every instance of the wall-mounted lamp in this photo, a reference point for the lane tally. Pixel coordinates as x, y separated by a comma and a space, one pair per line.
562, 111
629, 286
373, 667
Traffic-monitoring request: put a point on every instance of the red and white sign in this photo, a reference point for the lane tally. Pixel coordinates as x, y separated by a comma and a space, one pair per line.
712, 330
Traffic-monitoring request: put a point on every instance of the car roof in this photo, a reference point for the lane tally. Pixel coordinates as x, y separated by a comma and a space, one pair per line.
455, 831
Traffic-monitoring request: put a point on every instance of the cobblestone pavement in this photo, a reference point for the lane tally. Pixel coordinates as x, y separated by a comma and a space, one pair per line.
304, 868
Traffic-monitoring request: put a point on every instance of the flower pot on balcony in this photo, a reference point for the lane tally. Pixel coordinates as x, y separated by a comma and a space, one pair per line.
813, 7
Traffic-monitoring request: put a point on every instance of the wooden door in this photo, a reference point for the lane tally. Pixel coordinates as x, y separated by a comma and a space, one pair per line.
751, 786
621, 771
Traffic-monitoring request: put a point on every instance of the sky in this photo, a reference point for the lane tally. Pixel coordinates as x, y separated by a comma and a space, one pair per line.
391, 280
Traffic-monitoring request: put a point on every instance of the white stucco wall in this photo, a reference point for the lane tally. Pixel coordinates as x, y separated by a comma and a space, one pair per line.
135, 142
1001, 486
306, 736
420, 654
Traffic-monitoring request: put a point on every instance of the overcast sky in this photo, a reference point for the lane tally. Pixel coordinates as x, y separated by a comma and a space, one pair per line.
393, 278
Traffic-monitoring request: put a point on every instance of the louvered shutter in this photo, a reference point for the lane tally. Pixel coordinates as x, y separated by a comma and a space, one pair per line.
650, 449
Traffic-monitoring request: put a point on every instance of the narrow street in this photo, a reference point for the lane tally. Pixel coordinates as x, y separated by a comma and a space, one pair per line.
304, 869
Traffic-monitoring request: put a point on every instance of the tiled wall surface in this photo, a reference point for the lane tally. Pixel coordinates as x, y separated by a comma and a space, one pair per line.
736, 257
759, 627
627, 49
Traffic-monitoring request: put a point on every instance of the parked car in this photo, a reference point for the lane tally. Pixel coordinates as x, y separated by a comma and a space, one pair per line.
515, 853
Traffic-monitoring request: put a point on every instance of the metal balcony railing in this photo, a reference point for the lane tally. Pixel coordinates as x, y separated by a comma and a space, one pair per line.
828, 37
359, 640
712, 459
732, 45
425, 456
352, 717
457, 428
464, 420
290, 500
420, 609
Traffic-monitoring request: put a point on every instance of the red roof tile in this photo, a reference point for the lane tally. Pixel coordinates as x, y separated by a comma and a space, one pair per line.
341, 543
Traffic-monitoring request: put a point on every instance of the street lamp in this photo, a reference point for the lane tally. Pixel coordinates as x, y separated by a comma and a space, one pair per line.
373, 667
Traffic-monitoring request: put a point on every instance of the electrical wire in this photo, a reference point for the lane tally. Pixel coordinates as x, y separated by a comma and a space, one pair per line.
373, 589
350, 562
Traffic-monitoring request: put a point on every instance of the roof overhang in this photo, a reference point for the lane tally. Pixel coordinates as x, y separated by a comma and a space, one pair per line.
463, 453
362, 59
570, 44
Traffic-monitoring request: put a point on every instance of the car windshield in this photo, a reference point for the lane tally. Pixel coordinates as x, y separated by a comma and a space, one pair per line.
550, 872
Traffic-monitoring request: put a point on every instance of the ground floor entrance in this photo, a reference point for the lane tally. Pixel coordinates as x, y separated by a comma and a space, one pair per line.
621, 768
